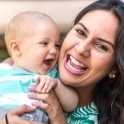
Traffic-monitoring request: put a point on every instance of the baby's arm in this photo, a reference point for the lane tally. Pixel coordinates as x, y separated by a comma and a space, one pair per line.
67, 96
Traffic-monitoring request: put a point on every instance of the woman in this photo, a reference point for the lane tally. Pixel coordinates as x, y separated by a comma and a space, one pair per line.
92, 62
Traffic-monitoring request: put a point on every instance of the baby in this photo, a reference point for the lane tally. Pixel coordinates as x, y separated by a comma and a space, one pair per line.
33, 42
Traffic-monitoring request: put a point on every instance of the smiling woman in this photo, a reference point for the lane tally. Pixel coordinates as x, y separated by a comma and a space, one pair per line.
93, 45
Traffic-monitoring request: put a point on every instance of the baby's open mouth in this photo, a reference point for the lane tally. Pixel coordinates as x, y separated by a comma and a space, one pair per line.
48, 61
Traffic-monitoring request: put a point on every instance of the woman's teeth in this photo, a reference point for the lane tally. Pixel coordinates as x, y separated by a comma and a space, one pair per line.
75, 65
75, 69
76, 62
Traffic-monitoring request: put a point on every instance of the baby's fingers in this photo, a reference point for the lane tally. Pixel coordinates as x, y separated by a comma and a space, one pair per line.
46, 86
37, 79
50, 87
41, 85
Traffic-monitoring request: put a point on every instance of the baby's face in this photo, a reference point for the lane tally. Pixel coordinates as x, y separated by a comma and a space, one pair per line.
40, 48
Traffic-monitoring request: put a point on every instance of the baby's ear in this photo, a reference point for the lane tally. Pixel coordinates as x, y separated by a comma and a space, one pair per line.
113, 72
14, 48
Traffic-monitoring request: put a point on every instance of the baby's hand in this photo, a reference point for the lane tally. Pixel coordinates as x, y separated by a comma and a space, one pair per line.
45, 83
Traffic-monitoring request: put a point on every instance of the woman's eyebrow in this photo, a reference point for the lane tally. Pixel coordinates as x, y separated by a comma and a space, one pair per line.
103, 40
83, 27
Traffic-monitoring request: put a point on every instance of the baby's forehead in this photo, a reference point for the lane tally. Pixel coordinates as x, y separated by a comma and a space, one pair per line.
25, 23
32, 19
31, 16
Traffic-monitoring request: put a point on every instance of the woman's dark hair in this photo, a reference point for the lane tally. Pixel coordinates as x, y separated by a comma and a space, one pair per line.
109, 93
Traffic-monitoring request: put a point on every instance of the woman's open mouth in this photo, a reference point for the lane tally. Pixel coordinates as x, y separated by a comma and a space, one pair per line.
74, 66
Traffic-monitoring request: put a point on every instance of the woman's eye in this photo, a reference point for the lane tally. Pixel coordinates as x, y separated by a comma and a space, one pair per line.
102, 47
81, 33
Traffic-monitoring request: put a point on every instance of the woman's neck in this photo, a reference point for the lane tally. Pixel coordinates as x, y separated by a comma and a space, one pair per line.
85, 96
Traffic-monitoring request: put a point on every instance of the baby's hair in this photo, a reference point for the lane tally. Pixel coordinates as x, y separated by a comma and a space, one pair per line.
22, 21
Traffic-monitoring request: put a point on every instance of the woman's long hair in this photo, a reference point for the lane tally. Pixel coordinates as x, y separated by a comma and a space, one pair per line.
109, 93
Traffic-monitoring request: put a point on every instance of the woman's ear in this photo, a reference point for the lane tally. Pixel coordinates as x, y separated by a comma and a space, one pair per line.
14, 48
113, 72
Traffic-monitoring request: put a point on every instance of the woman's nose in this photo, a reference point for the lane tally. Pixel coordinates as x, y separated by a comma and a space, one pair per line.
83, 49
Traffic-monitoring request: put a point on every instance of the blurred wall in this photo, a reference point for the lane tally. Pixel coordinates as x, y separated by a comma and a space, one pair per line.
62, 11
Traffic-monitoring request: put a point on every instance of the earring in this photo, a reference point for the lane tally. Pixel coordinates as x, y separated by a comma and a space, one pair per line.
113, 76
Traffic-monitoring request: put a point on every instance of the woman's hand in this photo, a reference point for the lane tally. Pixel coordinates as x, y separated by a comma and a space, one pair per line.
14, 116
49, 103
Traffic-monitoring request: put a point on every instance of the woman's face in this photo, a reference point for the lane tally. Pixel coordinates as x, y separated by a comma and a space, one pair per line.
87, 54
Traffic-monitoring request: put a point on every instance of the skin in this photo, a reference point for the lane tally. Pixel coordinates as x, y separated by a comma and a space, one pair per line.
95, 55
43, 38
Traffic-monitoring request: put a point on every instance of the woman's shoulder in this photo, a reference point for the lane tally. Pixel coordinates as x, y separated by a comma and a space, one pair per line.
87, 110
86, 114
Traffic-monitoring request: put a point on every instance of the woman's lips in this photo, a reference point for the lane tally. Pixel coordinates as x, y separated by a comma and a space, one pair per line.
74, 66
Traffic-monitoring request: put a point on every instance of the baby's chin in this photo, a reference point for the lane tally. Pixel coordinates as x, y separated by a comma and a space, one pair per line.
43, 72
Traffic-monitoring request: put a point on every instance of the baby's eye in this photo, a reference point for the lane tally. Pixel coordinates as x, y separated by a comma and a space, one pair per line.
57, 46
44, 43
80, 32
102, 47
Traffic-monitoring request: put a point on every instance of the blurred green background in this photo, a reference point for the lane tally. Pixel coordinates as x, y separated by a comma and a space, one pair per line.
3, 50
